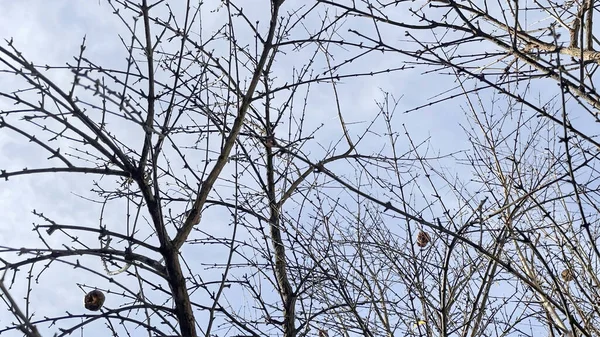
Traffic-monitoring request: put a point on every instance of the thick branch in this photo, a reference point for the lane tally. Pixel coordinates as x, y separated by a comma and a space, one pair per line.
207, 185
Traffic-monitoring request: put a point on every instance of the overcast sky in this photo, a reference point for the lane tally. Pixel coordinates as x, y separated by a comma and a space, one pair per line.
51, 32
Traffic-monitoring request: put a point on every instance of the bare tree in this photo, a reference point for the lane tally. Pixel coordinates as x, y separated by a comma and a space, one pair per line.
527, 220
252, 203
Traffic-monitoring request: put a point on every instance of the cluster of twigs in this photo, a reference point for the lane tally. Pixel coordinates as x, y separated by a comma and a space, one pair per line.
254, 199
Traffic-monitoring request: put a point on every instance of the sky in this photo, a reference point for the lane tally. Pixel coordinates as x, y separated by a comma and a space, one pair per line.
52, 32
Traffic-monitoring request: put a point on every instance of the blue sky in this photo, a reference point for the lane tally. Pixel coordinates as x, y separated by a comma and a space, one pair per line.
52, 32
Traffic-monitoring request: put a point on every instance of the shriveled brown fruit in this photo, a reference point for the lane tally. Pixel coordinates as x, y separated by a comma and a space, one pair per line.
94, 300
323, 333
567, 275
423, 239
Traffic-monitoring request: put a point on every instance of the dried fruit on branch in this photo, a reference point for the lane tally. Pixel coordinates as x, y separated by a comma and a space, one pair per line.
423, 239
94, 300
567, 275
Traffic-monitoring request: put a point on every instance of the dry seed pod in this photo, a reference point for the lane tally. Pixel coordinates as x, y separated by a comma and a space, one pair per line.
94, 300
423, 239
567, 275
